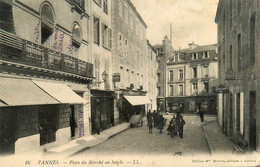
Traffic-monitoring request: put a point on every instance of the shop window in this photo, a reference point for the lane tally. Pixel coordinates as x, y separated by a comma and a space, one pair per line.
47, 23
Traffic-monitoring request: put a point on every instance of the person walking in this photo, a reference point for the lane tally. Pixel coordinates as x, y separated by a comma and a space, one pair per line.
155, 118
97, 124
147, 116
201, 113
172, 125
160, 123
182, 123
150, 124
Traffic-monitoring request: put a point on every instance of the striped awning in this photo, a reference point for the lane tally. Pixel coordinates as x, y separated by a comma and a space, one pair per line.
60, 92
137, 100
20, 92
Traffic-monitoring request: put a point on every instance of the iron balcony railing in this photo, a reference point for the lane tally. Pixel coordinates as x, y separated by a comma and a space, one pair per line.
79, 3
14, 49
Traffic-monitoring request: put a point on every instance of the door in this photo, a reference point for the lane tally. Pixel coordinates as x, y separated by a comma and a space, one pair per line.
73, 123
7, 132
47, 121
252, 136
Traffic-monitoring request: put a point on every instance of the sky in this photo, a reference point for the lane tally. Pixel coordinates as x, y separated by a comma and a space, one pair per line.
192, 20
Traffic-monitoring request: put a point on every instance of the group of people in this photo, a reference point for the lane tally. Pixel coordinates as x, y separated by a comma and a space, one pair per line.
155, 119
176, 125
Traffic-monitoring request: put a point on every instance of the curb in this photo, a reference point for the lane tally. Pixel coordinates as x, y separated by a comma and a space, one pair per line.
99, 142
209, 142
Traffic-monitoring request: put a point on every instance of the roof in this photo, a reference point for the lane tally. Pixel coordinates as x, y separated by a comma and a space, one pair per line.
136, 12
199, 49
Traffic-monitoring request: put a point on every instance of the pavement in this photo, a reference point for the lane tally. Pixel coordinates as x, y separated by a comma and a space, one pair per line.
218, 142
80, 144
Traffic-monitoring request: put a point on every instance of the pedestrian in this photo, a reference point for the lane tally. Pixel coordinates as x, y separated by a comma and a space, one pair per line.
150, 123
147, 116
197, 111
155, 118
202, 115
97, 124
182, 123
172, 125
160, 123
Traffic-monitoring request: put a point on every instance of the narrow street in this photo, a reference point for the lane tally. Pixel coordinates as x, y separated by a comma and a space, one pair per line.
137, 140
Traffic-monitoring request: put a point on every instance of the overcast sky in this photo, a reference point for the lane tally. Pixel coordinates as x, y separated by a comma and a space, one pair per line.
192, 20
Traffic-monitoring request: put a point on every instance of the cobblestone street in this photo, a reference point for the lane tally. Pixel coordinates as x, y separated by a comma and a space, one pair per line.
137, 140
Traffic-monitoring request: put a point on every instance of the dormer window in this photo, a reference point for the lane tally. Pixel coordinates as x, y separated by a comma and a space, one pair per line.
195, 56
205, 55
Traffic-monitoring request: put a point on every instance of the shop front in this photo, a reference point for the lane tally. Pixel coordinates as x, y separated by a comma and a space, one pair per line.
102, 109
32, 117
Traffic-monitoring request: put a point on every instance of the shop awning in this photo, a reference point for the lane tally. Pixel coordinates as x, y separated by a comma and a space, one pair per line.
137, 100
60, 92
19, 92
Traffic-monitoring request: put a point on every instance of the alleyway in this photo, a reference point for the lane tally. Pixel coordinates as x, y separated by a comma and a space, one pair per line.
138, 141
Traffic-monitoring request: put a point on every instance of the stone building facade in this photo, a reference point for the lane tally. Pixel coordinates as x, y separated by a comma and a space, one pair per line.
190, 73
238, 49
45, 71
129, 55
164, 51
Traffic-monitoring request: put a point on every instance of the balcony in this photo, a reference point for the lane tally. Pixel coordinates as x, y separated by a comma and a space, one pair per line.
78, 6
14, 49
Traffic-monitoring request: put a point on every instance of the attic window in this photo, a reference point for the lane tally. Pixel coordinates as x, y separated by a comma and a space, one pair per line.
47, 22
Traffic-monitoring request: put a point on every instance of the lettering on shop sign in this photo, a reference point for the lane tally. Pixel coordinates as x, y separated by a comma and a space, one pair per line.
37, 32
55, 38
61, 41
80, 122
70, 45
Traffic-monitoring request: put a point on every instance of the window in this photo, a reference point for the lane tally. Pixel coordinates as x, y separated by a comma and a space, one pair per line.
195, 56
96, 30
230, 57
105, 7
106, 34
237, 100
230, 10
76, 39
195, 87
158, 77
205, 55
120, 8
171, 76
47, 23
239, 6
239, 57
206, 71
171, 90
120, 43
131, 21
97, 72
126, 13
181, 90
206, 86
181, 75
194, 72
252, 40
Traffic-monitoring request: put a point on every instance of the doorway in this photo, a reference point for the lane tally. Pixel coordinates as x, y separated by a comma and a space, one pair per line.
73, 123
252, 106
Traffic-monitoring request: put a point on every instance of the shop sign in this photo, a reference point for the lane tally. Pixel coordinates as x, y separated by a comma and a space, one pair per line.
116, 77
